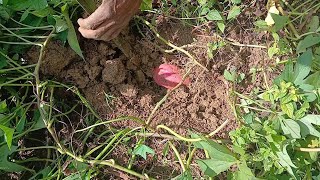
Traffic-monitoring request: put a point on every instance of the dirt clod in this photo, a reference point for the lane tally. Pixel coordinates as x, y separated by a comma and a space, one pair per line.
114, 71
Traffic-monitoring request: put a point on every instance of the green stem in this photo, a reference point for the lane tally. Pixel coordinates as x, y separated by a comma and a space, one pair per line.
178, 156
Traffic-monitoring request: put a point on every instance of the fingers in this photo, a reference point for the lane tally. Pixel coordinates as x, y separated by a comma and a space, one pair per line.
97, 33
97, 18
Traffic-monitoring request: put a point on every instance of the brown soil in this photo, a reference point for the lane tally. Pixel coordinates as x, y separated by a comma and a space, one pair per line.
117, 86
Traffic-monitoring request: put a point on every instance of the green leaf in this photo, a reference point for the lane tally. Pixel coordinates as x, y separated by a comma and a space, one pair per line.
288, 109
72, 36
272, 51
302, 67
313, 80
214, 15
213, 167
215, 150
61, 24
142, 150
234, 12
38, 4
38, 120
280, 21
8, 134
313, 24
243, 173
287, 74
221, 26
186, 175
307, 42
3, 106
236, 1
285, 160
24, 15
4, 13
306, 125
74, 176
202, 2
3, 62
291, 128
261, 24
146, 5
6, 165
248, 118
230, 76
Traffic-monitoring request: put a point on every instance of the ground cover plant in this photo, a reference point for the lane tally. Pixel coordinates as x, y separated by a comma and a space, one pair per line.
242, 103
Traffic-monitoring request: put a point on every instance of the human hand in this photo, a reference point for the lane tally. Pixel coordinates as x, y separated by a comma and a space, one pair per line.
109, 19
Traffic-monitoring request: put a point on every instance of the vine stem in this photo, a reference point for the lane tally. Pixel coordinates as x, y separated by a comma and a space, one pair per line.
170, 44
308, 149
176, 152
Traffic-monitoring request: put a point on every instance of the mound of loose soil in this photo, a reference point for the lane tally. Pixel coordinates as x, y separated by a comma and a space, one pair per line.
200, 107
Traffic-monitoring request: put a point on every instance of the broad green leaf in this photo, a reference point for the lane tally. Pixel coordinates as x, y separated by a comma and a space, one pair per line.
313, 24
213, 167
142, 150
234, 12
280, 21
313, 80
146, 5
221, 26
214, 15
38, 4
61, 24
307, 42
72, 36
285, 160
287, 74
314, 119
215, 150
306, 125
6, 165
291, 128
19, 5
42, 13
288, 109
243, 173
302, 67
8, 134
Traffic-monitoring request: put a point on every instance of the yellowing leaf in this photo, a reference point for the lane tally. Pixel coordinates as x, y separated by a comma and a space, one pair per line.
269, 20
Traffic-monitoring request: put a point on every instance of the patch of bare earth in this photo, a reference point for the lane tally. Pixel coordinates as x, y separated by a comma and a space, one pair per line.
201, 107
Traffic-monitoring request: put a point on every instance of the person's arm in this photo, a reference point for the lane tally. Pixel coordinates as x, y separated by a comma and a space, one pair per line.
109, 19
